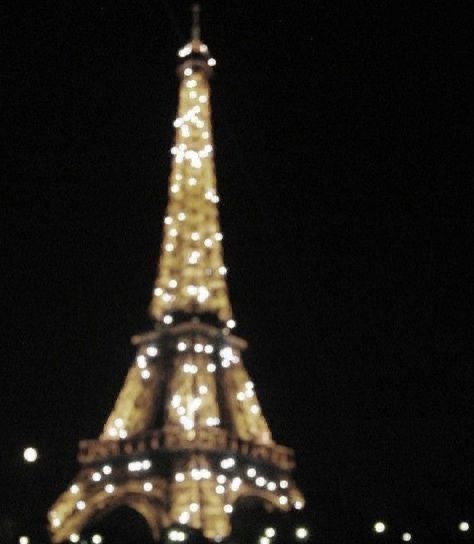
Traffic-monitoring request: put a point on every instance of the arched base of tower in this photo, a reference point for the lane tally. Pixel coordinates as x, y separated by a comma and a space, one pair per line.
122, 524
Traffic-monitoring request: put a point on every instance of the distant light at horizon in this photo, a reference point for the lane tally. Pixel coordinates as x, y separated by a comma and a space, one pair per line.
301, 533
30, 455
379, 527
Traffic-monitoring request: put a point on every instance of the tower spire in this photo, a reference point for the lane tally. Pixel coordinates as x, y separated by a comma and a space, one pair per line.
191, 278
196, 26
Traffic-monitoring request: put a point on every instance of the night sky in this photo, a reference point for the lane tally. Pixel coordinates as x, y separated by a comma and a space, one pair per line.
346, 218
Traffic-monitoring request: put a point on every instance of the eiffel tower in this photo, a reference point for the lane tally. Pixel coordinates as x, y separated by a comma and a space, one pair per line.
186, 439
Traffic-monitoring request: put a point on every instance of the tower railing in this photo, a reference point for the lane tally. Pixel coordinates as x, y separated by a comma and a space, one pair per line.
206, 439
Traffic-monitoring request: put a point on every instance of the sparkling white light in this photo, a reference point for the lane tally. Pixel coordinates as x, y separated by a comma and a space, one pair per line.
30, 455
176, 536
228, 462
270, 532
379, 527
301, 533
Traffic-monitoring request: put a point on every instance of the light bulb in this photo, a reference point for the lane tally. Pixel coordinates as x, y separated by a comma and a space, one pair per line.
301, 533
379, 527
30, 455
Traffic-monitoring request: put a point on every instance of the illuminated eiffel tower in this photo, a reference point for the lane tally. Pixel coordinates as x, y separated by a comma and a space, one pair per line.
186, 439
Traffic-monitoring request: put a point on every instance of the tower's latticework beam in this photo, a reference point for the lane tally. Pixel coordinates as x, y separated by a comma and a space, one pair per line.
186, 438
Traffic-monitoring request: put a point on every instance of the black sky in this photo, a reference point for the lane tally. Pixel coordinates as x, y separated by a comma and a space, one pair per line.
345, 209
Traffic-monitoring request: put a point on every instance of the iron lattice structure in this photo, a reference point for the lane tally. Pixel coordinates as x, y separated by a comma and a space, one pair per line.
186, 438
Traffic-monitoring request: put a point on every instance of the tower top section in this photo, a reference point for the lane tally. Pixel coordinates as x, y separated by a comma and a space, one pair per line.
195, 54
191, 279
